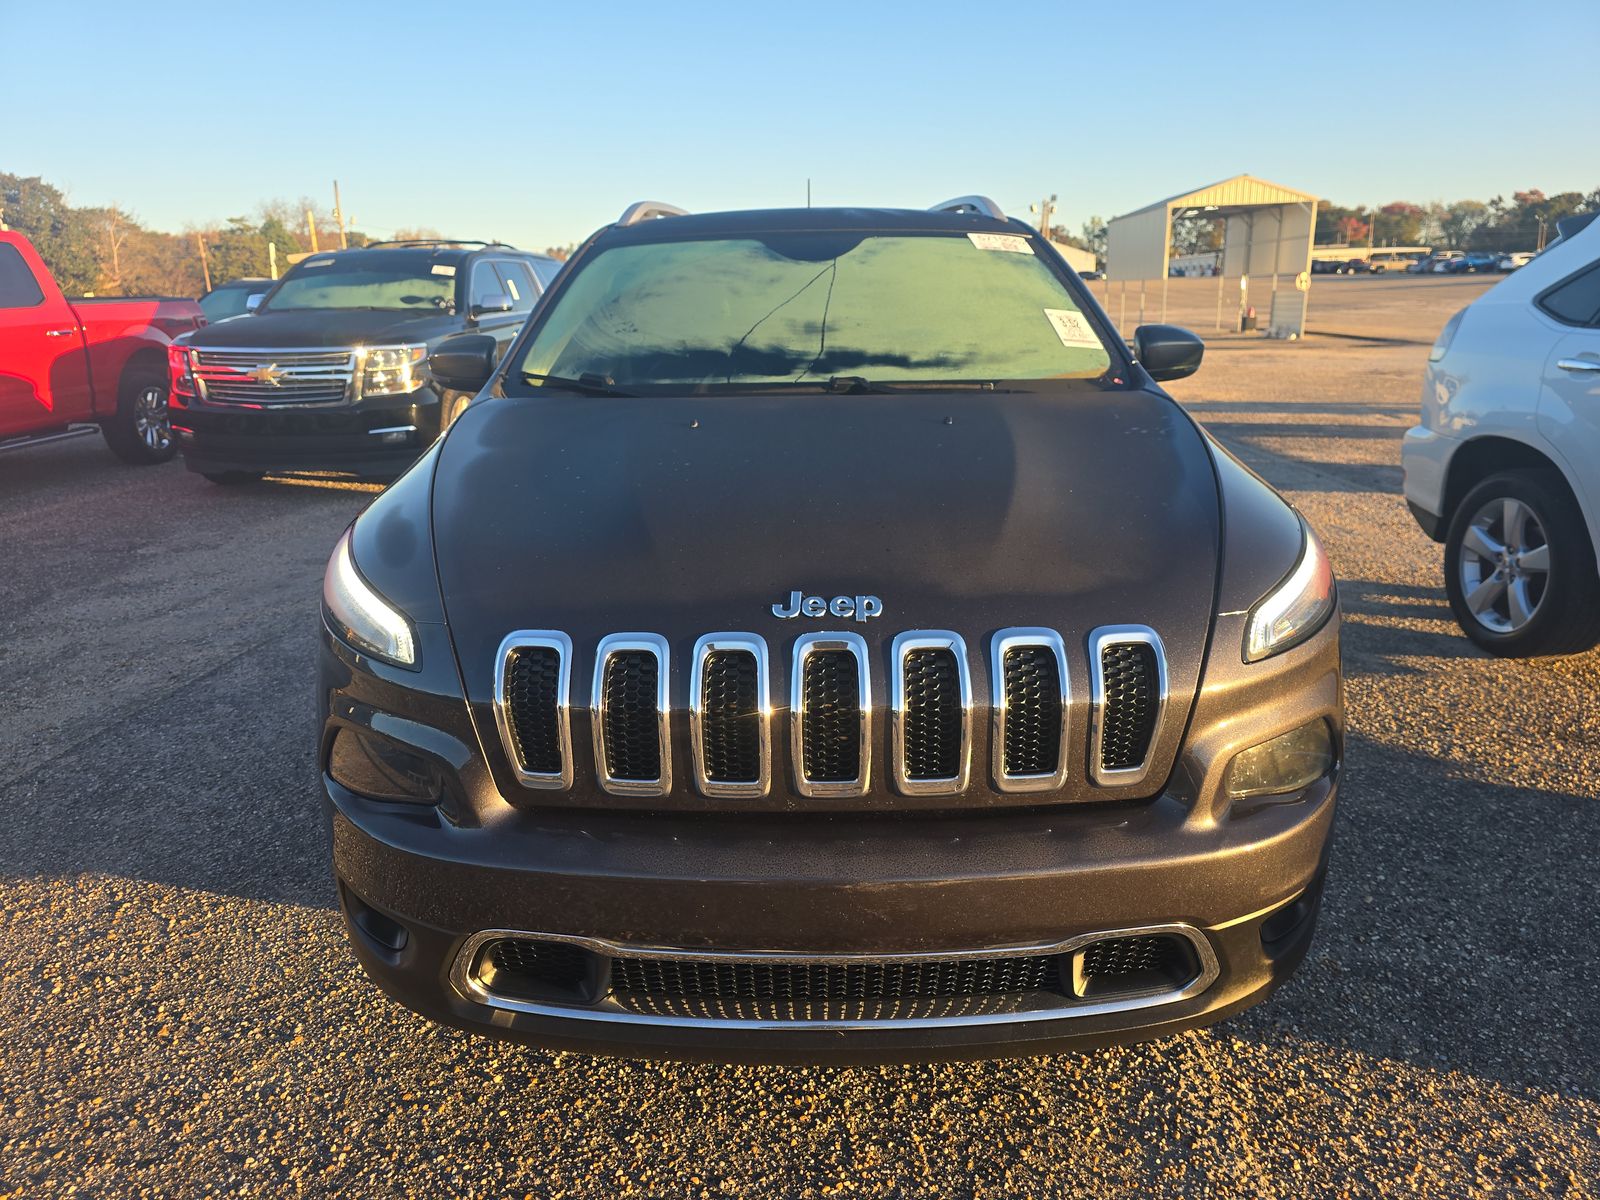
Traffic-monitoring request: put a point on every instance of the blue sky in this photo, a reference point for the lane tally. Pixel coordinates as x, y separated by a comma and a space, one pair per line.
534, 123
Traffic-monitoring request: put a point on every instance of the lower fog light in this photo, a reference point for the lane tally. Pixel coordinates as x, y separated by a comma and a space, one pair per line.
1287, 763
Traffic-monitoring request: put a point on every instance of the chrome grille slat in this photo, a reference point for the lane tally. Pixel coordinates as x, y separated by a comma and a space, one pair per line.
730, 715
532, 710
630, 711
830, 715
1030, 707
930, 712
1128, 703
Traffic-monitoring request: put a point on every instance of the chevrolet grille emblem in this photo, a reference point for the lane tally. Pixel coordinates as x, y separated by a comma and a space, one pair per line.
268, 374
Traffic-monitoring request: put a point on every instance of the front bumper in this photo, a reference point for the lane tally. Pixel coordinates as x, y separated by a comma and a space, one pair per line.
865, 886
376, 438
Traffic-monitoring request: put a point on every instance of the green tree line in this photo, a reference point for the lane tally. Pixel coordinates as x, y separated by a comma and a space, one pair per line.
108, 252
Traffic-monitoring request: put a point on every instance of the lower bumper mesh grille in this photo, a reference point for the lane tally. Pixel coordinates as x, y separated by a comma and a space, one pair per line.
923, 980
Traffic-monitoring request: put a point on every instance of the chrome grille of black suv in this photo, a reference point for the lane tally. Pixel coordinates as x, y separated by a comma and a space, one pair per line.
731, 717
1130, 704
533, 681
832, 735
1033, 711
933, 714
632, 721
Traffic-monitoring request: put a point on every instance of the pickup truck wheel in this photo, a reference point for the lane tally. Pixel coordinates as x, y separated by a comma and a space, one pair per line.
1519, 568
139, 432
232, 478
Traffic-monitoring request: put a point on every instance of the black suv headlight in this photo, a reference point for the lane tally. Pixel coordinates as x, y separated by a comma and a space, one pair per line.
361, 617
1296, 608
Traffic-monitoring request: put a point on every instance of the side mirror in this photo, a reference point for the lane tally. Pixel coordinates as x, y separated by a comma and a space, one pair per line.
464, 363
1167, 352
490, 306
251, 303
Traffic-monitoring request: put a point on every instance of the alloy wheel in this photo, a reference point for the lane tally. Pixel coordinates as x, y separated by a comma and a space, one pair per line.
1505, 565
150, 418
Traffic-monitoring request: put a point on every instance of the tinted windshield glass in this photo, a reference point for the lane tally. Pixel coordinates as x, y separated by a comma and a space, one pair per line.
228, 302
802, 307
415, 284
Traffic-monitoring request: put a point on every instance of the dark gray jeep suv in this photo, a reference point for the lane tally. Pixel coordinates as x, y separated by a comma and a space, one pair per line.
821, 638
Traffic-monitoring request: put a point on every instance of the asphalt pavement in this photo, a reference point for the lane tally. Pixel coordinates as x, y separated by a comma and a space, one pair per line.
179, 1015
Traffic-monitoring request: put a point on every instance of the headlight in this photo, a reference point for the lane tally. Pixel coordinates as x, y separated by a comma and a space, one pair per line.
1287, 763
392, 370
1296, 608
362, 617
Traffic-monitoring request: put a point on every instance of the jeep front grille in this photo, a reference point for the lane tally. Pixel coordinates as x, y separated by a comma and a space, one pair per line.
730, 715
275, 377
1028, 669
1130, 694
830, 715
930, 712
533, 674
629, 715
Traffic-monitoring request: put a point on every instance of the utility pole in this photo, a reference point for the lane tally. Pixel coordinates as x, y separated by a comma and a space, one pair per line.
338, 215
272, 258
205, 264
1044, 209
311, 226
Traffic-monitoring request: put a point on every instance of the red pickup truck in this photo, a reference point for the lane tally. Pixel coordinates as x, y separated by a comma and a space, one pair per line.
66, 362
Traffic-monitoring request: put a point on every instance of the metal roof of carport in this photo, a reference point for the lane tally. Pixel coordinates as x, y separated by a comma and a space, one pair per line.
1139, 244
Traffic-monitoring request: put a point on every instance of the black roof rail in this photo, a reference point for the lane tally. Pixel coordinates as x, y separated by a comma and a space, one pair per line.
441, 242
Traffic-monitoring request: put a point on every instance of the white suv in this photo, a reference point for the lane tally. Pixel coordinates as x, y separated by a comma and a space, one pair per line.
1505, 467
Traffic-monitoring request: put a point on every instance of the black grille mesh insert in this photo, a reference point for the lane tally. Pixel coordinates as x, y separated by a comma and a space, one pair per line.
926, 979
533, 683
933, 714
831, 744
730, 702
1128, 713
632, 720
1033, 711
1105, 962
521, 965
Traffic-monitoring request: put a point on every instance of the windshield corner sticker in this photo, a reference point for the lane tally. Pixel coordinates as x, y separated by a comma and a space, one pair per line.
443, 269
1010, 242
1072, 328
319, 262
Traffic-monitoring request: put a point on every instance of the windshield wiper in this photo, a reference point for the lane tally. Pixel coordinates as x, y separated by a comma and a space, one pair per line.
588, 384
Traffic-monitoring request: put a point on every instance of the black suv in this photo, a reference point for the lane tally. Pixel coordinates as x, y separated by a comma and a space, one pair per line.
822, 638
330, 373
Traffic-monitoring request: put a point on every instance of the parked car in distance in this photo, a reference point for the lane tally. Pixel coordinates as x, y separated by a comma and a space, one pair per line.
65, 362
1510, 262
330, 372
1504, 467
1433, 263
1472, 264
231, 299
1091, 276
1383, 261
786, 658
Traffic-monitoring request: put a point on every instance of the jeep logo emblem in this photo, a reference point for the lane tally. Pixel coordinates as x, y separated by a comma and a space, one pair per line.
862, 608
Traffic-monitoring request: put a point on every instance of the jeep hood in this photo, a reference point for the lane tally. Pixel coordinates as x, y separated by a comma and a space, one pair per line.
961, 511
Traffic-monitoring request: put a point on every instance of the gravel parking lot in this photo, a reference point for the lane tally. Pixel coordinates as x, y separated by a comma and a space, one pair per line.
181, 1017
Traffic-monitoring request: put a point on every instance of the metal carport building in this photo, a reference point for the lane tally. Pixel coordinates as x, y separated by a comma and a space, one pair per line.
1269, 232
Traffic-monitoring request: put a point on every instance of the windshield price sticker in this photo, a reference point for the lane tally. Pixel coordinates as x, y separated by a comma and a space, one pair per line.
1010, 242
1072, 328
443, 269
319, 262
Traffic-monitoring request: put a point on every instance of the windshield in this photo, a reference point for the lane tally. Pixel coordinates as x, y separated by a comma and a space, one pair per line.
378, 281
801, 308
230, 301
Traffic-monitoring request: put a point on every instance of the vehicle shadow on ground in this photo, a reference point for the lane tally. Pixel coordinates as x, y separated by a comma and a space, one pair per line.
1442, 945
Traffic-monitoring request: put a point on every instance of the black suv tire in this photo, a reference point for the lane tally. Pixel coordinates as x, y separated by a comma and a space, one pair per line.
1566, 616
141, 397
